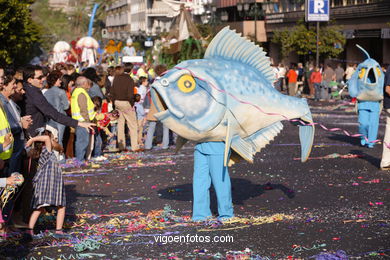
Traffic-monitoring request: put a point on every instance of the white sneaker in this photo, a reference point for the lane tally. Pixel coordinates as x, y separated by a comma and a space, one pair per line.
100, 158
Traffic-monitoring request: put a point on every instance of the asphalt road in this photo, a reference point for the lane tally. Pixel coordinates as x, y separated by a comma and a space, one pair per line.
334, 206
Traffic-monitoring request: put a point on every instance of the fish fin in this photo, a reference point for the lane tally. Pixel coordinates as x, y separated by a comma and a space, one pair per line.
264, 136
228, 142
230, 45
243, 148
180, 142
306, 137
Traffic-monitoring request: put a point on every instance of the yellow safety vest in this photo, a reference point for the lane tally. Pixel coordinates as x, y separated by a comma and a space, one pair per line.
141, 73
151, 73
4, 130
75, 108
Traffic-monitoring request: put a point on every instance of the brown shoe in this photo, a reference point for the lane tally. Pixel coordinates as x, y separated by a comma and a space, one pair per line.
138, 150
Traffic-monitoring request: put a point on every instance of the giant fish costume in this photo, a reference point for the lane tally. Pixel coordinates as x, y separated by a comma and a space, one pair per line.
228, 96
366, 84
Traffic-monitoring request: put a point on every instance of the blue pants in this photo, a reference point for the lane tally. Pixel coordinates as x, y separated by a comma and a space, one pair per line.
82, 141
15, 162
150, 135
97, 148
208, 168
61, 131
317, 92
368, 126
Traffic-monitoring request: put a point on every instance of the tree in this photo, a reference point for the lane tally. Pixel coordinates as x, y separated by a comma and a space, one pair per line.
302, 40
60, 26
57, 25
18, 33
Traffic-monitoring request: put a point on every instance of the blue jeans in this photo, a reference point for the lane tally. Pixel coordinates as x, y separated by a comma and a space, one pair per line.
97, 148
82, 141
317, 94
15, 162
150, 135
61, 131
208, 168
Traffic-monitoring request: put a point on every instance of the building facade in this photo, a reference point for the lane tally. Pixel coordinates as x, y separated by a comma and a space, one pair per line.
118, 20
133, 18
363, 22
65, 5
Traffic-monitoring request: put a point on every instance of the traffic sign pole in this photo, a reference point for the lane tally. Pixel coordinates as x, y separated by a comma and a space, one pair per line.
317, 11
317, 43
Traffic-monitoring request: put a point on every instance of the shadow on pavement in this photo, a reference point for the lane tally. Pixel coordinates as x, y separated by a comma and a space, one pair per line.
15, 248
242, 190
375, 161
345, 139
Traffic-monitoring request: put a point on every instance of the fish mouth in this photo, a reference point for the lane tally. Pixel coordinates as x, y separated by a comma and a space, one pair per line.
371, 78
164, 108
159, 102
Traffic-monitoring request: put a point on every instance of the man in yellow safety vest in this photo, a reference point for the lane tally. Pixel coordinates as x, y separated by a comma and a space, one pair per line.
83, 110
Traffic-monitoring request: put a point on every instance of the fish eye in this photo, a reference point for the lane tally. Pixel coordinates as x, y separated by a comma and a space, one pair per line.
164, 82
186, 83
378, 71
361, 73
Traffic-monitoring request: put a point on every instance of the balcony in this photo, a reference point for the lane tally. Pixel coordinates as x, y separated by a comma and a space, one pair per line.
159, 9
117, 4
117, 20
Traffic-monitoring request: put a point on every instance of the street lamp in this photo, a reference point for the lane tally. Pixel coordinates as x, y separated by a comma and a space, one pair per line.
268, 6
224, 16
253, 11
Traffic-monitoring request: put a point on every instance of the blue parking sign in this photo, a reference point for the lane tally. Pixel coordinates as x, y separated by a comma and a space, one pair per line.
317, 10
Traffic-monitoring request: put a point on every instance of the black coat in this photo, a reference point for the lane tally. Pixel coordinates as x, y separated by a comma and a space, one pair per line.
41, 111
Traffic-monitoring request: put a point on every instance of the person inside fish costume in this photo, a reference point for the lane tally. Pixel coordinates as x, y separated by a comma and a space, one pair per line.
366, 85
226, 103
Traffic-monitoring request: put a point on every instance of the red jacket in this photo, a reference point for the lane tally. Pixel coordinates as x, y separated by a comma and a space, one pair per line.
315, 77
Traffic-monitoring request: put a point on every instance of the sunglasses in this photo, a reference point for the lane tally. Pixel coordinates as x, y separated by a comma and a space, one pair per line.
40, 77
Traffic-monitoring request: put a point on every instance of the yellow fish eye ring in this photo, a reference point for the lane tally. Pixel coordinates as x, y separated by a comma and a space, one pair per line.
361, 73
186, 83
378, 71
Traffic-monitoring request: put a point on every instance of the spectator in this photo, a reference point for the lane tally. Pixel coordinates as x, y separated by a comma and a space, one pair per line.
16, 122
292, 77
140, 116
37, 105
83, 111
327, 76
339, 73
122, 94
95, 90
300, 72
385, 162
143, 88
316, 79
58, 99
48, 184
152, 121
349, 72
281, 75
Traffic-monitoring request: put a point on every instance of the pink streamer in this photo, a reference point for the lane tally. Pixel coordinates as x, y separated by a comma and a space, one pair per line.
276, 114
